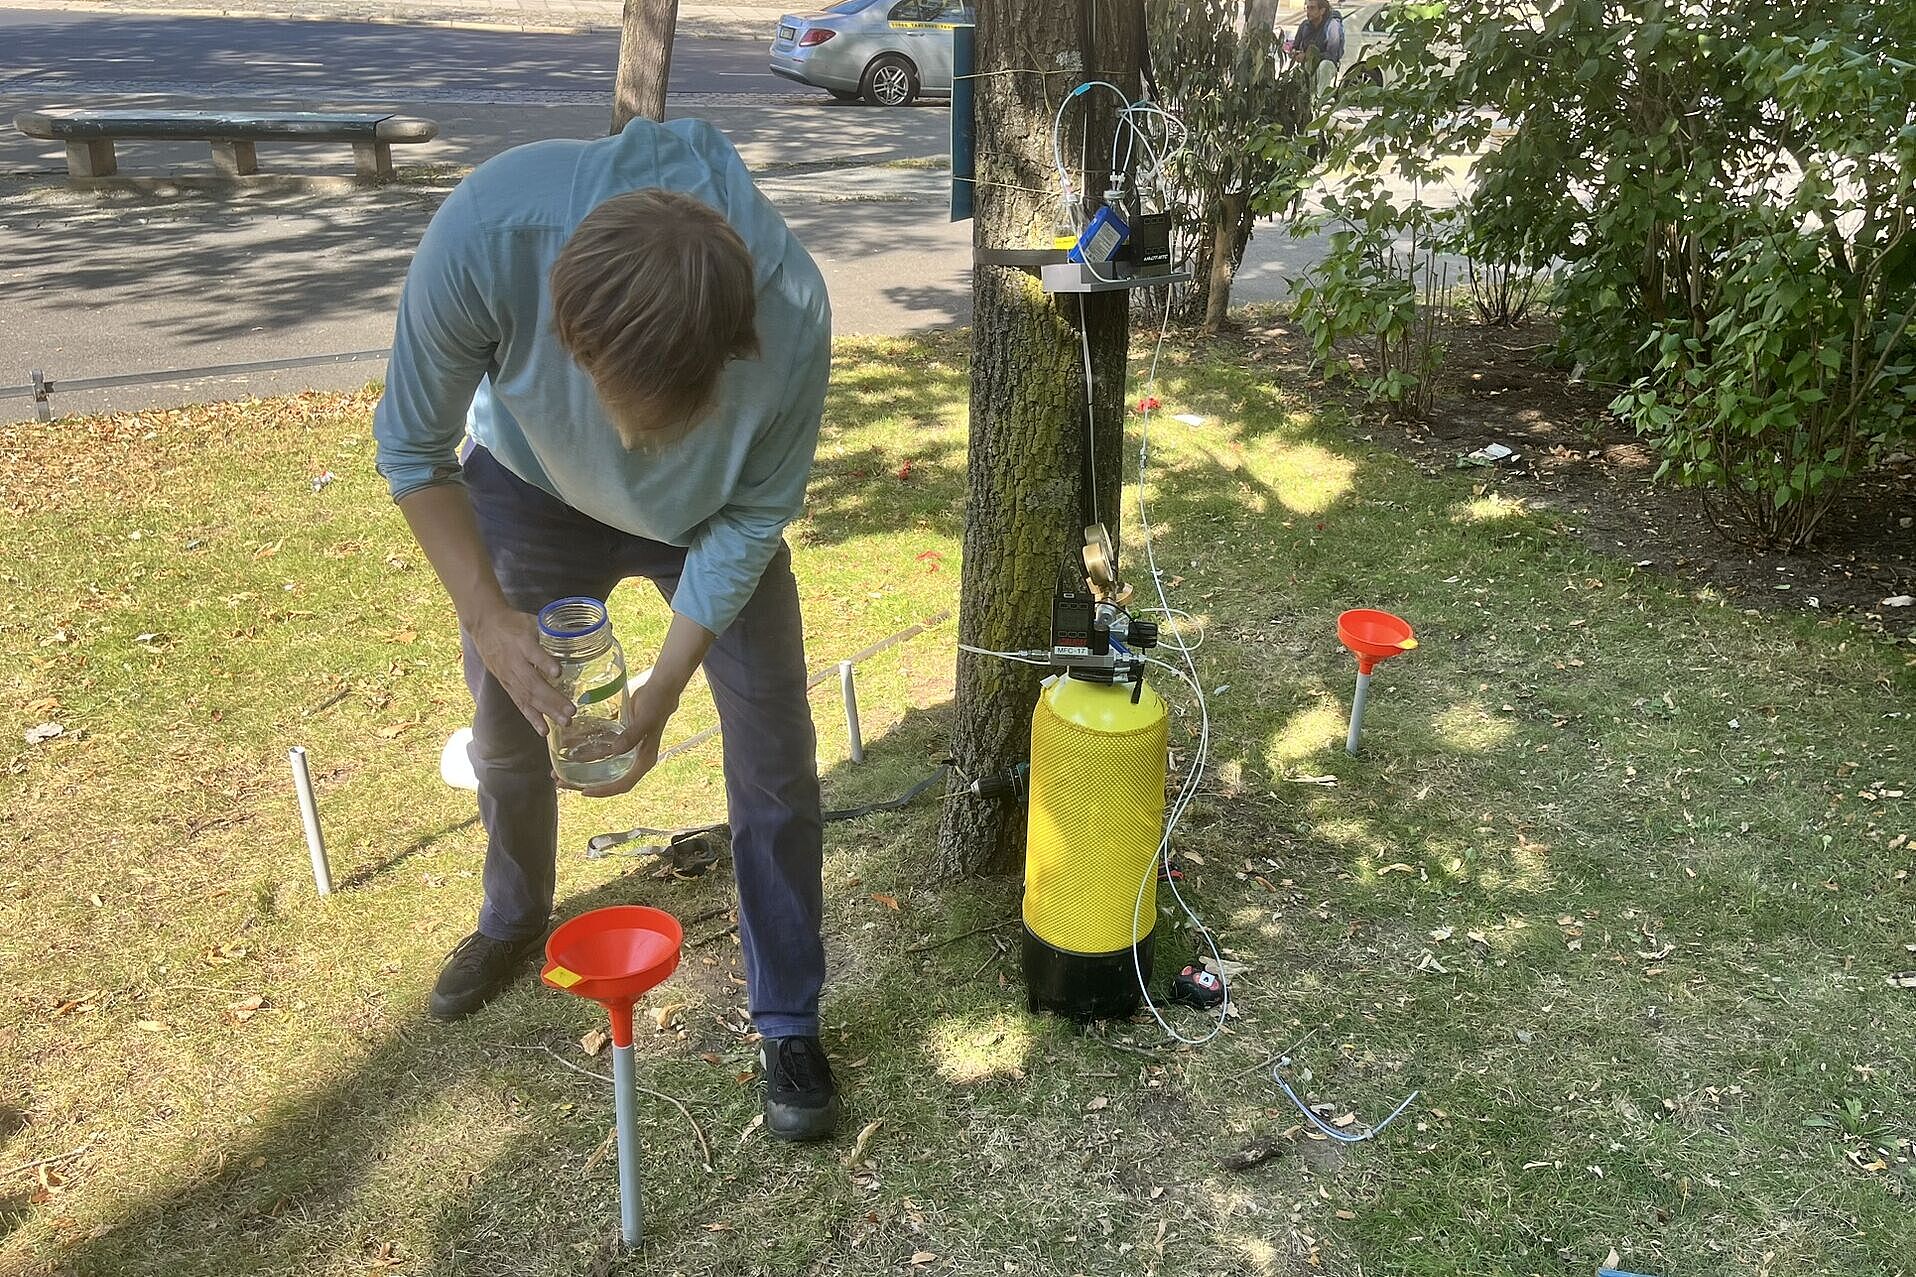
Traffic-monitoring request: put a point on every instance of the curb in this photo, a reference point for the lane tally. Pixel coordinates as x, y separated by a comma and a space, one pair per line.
694, 26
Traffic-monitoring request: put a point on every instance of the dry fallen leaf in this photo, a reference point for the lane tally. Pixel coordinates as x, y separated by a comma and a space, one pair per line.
862, 1146
245, 1008
1097, 1104
890, 902
268, 551
594, 1041
1399, 868
221, 954
392, 730
151, 1026
922, 1257
1341, 1122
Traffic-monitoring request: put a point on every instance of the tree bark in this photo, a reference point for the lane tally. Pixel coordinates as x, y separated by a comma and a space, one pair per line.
1023, 515
645, 60
1226, 250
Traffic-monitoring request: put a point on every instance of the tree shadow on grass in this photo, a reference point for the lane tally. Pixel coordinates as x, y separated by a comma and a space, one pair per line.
313, 1186
328, 1179
873, 479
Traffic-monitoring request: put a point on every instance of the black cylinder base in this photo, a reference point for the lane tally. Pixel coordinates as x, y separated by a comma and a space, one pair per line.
1084, 986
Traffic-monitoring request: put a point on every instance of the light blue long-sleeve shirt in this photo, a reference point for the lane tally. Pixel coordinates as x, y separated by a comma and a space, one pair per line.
475, 351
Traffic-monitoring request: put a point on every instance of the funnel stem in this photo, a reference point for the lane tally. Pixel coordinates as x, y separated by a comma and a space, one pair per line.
1357, 713
631, 1211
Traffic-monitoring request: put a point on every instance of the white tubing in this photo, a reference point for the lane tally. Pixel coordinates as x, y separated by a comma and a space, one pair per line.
309, 816
624, 1084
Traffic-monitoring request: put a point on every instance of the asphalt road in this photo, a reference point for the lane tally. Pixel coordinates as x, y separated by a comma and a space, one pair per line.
67, 54
106, 284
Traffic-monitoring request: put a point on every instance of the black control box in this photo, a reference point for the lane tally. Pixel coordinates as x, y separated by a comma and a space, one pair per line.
1073, 628
1150, 244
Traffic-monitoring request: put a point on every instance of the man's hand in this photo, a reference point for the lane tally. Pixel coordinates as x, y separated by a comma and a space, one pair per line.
646, 713
508, 643
508, 640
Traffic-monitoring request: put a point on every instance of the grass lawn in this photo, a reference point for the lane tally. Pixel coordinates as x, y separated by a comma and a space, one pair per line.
1616, 885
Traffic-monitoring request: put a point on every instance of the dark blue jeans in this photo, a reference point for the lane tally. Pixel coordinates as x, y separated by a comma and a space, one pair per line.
542, 549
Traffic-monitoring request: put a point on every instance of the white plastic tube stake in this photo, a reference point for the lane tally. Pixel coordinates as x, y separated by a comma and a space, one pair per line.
1357, 713
309, 816
631, 1210
850, 692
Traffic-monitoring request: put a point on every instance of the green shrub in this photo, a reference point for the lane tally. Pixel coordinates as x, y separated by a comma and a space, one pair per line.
1724, 190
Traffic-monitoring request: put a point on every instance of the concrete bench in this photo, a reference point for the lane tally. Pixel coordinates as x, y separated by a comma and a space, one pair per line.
90, 135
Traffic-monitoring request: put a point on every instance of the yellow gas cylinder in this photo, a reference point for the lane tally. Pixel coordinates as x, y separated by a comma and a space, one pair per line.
1096, 822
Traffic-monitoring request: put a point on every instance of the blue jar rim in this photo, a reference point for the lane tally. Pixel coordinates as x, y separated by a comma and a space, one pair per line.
598, 605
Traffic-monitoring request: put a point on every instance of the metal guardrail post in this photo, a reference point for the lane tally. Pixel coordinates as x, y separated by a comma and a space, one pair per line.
40, 388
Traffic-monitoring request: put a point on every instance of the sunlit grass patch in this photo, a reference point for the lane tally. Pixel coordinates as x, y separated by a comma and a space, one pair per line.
1614, 881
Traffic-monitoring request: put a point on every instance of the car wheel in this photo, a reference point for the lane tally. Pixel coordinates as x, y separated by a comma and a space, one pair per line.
844, 96
890, 80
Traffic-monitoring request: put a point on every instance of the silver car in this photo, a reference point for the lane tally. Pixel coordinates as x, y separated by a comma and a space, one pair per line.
886, 52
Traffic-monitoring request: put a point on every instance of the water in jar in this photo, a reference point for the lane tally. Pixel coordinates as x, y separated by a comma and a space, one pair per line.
586, 751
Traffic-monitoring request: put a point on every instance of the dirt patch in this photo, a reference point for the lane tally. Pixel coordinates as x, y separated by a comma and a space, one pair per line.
1500, 386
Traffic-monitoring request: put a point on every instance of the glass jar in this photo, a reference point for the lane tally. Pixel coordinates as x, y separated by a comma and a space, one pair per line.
586, 751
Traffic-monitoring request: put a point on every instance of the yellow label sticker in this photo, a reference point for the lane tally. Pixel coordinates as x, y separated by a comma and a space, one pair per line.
563, 978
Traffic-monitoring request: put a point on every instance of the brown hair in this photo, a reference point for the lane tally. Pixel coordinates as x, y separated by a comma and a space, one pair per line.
653, 295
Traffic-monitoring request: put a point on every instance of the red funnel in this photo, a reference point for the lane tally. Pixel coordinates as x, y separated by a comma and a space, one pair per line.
1374, 636
613, 956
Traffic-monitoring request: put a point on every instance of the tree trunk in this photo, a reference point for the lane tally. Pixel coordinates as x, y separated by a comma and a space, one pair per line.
1024, 509
1226, 250
645, 60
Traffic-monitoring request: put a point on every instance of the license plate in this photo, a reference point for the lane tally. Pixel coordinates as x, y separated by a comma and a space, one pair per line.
788, 34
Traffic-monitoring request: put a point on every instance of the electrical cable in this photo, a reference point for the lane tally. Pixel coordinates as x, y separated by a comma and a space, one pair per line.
602, 845
1057, 135
1200, 757
1090, 409
1032, 657
1310, 1115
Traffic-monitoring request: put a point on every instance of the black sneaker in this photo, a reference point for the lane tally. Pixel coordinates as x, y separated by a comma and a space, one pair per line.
476, 971
801, 1100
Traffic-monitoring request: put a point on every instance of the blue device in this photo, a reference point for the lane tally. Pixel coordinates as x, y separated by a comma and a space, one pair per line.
1103, 236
